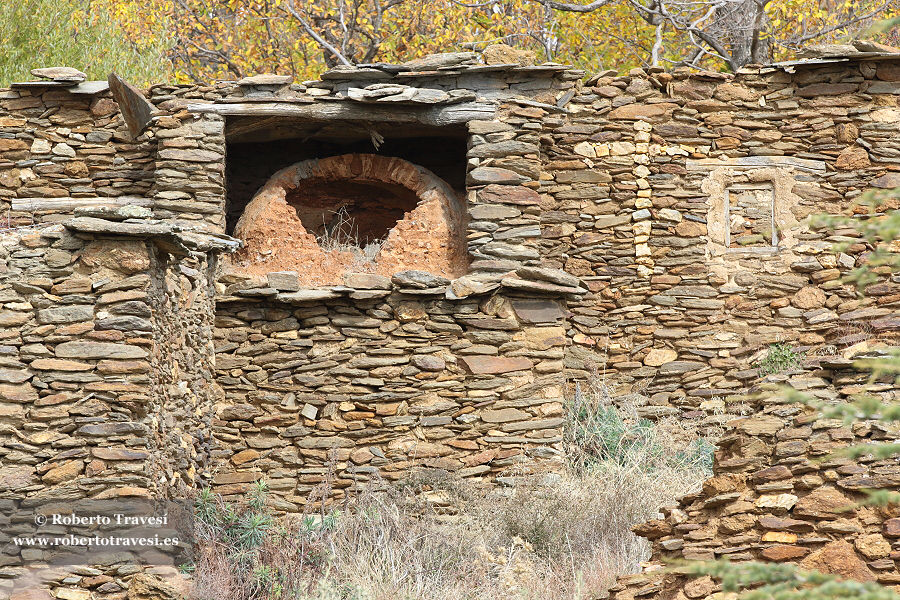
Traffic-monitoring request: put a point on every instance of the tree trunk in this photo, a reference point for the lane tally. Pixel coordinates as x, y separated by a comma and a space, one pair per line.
741, 25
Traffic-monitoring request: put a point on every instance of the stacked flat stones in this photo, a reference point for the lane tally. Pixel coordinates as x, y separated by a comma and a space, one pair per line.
378, 376
777, 497
624, 207
101, 396
437, 80
591, 239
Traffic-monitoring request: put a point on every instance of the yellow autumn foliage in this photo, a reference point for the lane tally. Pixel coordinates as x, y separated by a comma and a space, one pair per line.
207, 40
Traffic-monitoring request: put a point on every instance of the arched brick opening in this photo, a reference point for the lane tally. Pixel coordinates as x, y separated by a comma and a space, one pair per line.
355, 212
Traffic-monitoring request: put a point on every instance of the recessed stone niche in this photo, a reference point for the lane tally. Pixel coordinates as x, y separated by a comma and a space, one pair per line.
750, 216
352, 213
751, 209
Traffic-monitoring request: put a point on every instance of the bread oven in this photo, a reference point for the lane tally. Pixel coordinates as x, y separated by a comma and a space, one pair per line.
352, 213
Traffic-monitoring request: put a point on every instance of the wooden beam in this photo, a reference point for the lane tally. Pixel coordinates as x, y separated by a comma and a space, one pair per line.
436, 116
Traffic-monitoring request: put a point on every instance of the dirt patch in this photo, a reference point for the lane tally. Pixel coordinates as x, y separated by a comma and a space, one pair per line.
325, 217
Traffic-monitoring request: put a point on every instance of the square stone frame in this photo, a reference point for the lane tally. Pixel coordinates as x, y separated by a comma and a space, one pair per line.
717, 184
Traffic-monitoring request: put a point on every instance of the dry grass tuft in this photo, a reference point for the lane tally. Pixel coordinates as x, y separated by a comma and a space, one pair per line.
342, 236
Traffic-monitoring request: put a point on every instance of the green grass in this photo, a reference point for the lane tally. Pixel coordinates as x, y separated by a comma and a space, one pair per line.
781, 357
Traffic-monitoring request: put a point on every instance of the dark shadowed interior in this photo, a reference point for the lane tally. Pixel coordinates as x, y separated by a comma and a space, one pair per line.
356, 211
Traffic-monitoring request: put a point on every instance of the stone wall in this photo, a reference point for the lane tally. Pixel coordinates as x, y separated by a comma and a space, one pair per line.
106, 383
619, 180
633, 197
653, 226
77, 365
778, 496
183, 380
380, 378
59, 149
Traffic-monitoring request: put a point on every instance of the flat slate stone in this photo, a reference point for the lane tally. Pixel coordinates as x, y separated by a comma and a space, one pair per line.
441, 60
537, 311
883, 87
266, 79
826, 89
557, 276
89, 88
504, 415
426, 96
190, 155
344, 72
386, 67
63, 74
20, 394
369, 294
533, 425
119, 454
495, 266
493, 212
9, 318
324, 443
266, 291
509, 194
537, 286
419, 280
887, 324
526, 231
367, 281
755, 162
286, 281
55, 364
502, 149
423, 292
428, 363
14, 375
677, 367
487, 175
114, 213
66, 314
117, 428
484, 365
307, 296
124, 323
467, 286
136, 110
98, 350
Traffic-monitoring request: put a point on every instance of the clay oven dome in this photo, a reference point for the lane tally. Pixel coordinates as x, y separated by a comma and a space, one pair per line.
355, 212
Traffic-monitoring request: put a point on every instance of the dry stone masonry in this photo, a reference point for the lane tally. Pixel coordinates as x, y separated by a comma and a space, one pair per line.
521, 227
777, 496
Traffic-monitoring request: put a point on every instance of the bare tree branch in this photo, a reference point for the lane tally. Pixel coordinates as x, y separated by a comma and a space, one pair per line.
657, 46
578, 8
289, 7
218, 56
847, 23
479, 5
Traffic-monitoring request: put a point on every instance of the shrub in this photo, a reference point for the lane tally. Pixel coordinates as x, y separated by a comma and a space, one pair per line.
779, 358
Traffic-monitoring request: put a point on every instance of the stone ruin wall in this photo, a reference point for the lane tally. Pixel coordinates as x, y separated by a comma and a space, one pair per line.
604, 199
101, 392
672, 314
776, 496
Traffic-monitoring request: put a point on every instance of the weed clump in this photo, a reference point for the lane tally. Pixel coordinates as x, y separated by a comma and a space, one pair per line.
779, 358
342, 235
